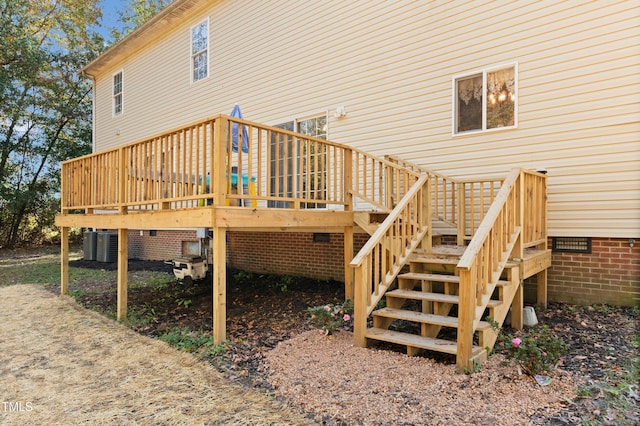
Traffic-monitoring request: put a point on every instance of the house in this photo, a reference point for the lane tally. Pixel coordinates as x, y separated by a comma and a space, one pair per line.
399, 103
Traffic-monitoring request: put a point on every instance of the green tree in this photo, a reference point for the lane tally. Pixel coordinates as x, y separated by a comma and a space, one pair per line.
45, 106
136, 13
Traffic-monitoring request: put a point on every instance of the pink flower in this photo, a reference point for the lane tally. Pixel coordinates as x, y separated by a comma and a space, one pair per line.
321, 331
346, 317
516, 342
327, 308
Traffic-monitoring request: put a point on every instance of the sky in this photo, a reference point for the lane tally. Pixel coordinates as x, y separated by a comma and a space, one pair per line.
110, 10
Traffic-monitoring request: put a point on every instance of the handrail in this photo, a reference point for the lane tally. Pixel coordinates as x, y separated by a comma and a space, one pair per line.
248, 163
503, 233
380, 260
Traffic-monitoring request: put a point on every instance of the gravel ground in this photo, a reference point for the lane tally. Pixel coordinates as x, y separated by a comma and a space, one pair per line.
342, 384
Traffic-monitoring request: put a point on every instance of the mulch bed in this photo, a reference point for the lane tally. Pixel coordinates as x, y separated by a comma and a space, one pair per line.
263, 310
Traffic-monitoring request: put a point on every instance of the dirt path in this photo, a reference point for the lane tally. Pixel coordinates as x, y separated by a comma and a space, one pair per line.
62, 364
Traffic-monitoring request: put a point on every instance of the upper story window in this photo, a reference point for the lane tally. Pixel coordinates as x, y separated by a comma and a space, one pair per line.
117, 93
200, 51
485, 100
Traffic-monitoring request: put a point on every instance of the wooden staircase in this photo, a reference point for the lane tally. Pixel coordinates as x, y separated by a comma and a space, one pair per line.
438, 297
421, 313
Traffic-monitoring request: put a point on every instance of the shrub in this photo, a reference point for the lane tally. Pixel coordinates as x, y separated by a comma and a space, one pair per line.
328, 318
535, 352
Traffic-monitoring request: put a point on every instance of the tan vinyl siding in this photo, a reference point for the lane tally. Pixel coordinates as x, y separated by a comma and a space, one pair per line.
391, 65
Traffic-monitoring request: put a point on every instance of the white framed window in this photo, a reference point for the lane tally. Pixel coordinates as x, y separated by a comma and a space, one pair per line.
200, 51
117, 93
486, 100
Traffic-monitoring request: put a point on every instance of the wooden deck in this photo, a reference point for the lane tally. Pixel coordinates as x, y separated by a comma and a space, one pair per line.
283, 181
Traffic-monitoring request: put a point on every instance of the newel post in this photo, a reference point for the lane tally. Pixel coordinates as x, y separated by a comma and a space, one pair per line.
466, 314
122, 181
427, 243
348, 230
461, 214
360, 304
219, 163
219, 187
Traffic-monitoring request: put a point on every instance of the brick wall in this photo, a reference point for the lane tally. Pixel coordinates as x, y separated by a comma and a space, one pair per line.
609, 274
164, 245
290, 253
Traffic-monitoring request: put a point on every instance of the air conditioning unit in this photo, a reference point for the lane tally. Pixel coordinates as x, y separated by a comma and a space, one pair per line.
107, 247
89, 245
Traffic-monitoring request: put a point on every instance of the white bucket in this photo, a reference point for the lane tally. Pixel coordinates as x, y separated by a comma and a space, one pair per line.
530, 319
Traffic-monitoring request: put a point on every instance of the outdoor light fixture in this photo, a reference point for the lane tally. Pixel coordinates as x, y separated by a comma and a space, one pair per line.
340, 112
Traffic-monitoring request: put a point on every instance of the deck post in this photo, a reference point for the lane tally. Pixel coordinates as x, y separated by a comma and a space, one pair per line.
517, 305
64, 260
360, 304
427, 242
348, 230
219, 284
541, 278
466, 314
348, 256
461, 214
123, 257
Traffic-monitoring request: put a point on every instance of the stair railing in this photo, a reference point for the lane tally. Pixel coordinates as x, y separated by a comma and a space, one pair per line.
383, 256
503, 233
459, 203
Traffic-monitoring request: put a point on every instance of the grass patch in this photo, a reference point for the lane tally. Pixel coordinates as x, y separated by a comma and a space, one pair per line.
197, 342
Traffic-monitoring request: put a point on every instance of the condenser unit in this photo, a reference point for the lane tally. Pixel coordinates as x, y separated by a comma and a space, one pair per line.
107, 250
89, 245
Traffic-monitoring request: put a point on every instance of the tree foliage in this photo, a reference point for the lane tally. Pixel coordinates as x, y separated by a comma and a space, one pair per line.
136, 13
45, 106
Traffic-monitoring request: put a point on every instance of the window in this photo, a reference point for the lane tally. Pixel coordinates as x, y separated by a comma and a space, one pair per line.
477, 109
117, 93
200, 51
305, 177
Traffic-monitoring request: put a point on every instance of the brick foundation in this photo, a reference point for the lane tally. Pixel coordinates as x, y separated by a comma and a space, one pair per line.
164, 245
290, 253
609, 274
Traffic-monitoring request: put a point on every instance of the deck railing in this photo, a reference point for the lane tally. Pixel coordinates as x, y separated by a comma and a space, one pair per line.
458, 203
383, 256
515, 220
228, 161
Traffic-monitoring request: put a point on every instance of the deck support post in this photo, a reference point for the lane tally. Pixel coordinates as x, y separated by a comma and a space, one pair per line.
219, 284
123, 269
541, 277
360, 304
64, 260
348, 256
466, 314
349, 292
517, 306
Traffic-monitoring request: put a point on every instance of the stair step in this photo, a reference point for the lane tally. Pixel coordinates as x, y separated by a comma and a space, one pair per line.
442, 278
413, 340
430, 277
421, 317
432, 297
439, 260
422, 295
